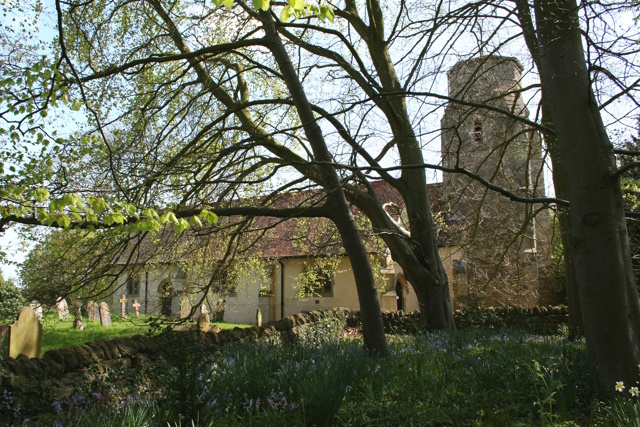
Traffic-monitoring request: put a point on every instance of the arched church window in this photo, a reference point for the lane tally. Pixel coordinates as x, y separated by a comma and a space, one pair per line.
133, 284
477, 130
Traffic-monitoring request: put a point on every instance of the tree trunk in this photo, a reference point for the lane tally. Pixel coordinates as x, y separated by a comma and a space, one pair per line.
419, 258
599, 243
559, 179
372, 325
576, 326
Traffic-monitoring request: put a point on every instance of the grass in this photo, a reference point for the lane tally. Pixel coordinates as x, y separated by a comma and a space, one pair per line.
59, 333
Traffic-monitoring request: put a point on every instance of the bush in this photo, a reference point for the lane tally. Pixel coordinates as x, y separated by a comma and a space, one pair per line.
11, 300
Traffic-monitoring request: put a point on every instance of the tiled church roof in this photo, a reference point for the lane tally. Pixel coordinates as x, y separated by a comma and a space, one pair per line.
265, 237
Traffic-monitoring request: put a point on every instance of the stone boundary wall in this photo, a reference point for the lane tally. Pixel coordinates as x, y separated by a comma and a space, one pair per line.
537, 320
62, 372
57, 375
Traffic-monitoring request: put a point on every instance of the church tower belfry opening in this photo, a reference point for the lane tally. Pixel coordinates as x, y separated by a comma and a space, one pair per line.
505, 242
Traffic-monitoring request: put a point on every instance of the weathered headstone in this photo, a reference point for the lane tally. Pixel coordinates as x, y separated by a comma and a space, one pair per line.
123, 305
63, 308
5, 335
93, 312
259, 318
77, 322
105, 314
136, 307
37, 308
26, 335
203, 322
204, 309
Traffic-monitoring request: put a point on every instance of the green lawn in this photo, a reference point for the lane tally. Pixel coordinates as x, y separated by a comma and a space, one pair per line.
59, 333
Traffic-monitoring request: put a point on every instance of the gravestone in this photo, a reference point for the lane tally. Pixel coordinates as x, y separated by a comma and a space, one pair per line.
259, 318
136, 307
63, 308
5, 334
203, 322
105, 314
26, 335
37, 308
93, 312
123, 305
204, 309
77, 322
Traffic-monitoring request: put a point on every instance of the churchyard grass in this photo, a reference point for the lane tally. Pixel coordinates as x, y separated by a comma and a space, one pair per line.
464, 378
59, 333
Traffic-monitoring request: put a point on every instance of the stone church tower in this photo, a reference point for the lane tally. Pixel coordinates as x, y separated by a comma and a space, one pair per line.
505, 243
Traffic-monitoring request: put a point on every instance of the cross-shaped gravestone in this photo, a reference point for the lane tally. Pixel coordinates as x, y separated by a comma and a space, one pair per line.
136, 307
123, 304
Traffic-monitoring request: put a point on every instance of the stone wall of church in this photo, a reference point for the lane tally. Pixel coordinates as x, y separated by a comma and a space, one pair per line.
506, 243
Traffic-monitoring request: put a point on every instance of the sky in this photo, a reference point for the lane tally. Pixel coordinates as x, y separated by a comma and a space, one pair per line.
16, 249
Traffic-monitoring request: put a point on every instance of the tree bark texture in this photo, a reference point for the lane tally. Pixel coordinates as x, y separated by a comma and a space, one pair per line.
599, 243
418, 256
372, 325
576, 326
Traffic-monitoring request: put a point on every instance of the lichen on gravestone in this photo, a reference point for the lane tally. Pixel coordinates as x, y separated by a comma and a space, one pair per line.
26, 335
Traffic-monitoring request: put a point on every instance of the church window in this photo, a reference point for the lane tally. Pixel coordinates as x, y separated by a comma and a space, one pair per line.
477, 131
323, 283
316, 281
133, 284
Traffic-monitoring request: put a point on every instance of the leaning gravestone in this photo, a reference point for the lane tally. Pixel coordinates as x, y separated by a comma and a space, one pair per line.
259, 318
63, 308
105, 314
5, 334
77, 322
93, 312
26, 335
37, 308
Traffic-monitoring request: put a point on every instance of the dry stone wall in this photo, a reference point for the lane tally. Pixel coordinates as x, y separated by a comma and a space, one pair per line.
537, 320
61, 373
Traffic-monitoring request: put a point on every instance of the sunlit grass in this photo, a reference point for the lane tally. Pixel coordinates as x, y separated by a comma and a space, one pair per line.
59, 333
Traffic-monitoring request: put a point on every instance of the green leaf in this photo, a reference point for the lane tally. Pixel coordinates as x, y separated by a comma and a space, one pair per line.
297, 4
181, 225
326, 13
171, 217
228, 3
261, 4
209, 216
286, 13
196, 221
97, 204
41, 195
76, 105
63, 221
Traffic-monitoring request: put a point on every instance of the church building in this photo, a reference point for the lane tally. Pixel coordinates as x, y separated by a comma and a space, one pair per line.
495, 250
